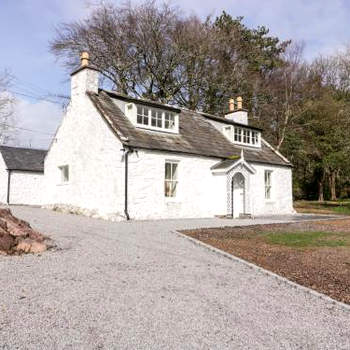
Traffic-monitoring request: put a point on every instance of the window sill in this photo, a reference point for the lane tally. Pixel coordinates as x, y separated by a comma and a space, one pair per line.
163, 130
63, 184
171, 200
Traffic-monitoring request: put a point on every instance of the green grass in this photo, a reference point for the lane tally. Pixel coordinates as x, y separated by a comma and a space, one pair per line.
337, 207
306, 239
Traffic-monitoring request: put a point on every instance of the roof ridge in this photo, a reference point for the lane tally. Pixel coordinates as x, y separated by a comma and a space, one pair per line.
24, 148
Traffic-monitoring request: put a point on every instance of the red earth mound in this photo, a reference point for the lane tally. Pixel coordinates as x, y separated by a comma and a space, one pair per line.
17, 236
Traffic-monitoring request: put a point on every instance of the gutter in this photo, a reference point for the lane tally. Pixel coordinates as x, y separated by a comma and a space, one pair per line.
126, 159
8, 186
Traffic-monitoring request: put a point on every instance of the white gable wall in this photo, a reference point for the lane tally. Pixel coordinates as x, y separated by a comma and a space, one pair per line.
88, 146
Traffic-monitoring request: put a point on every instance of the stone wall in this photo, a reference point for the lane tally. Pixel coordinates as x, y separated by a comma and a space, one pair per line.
93, 153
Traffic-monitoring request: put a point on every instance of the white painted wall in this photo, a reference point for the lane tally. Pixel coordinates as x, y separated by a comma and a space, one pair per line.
86, 144
3, 180
281, 201
199, 192
26, 187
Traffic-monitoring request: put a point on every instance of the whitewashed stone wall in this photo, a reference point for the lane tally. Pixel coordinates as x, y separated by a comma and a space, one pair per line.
26, 188
199, 192
3, 180
93, 153
281, 201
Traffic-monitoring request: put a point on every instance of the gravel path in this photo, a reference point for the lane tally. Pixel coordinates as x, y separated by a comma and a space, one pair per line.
137, 285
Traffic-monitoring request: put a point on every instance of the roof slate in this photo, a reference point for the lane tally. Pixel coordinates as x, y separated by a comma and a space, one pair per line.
196, 135
26, 159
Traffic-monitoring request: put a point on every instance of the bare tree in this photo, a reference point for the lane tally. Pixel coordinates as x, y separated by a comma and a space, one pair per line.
283, 93
6, 108
155, 51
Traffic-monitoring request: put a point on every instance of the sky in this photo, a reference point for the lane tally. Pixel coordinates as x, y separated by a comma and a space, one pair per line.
27, 26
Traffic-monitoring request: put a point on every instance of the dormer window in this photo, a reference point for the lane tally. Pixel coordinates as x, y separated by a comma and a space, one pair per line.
245, 136
152, 118
142, 115
156, 119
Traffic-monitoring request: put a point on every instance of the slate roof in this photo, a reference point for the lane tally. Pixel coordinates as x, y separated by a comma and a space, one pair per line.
196, 135
26, 159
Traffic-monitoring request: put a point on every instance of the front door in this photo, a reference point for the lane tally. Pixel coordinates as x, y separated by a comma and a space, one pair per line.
238, 195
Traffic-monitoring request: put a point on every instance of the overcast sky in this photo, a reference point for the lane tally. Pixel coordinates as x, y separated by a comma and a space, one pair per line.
26, 26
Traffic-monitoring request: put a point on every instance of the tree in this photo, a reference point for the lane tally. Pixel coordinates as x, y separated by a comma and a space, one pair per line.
6, 107
156, 52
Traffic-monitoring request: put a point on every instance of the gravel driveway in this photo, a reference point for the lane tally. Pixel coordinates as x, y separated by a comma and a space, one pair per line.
137, 285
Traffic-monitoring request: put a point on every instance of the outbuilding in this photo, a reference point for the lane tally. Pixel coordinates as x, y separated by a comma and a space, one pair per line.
21, 175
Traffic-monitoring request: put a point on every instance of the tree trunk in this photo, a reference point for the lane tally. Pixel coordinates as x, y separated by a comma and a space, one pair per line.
320, 190
332, 180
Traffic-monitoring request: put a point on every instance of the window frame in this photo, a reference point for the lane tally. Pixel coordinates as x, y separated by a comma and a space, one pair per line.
242, 136
164, 120
171, 180
268, 184
64, 176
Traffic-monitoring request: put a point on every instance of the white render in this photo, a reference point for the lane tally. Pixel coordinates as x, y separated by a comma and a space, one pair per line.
3, 180
93, 153
95, 156
239, 116
26, 187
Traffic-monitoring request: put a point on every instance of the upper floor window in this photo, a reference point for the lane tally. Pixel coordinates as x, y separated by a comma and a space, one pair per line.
242, 135
155, 118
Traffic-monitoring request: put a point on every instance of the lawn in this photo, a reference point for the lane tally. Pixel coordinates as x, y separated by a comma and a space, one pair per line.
313, 254
341, 207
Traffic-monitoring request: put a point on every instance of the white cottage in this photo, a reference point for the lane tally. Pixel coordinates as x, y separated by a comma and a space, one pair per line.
21, 175
119, 157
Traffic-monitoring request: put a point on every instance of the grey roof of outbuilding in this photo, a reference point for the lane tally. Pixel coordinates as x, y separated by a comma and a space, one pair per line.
196, 135
25, 159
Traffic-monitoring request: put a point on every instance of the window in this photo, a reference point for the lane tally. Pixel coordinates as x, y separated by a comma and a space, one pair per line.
268, 184
169, 121
142, 115
246, 136
155, 118
64, 173
238, 135
171, 179
254, 138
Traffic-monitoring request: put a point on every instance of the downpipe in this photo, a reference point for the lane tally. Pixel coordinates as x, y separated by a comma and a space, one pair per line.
126, 159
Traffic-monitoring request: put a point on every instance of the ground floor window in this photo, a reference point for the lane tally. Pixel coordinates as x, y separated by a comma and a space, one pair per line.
171, 178
64, 170
268, 184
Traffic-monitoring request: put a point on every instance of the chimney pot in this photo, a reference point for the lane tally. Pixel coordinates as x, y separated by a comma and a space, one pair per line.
239, 102
84, 58
231, 105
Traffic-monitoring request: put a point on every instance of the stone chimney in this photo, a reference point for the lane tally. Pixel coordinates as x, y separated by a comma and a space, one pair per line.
84, 79
240, 115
